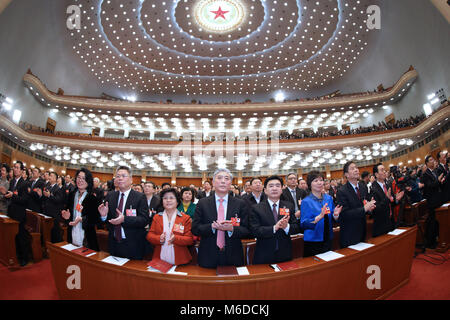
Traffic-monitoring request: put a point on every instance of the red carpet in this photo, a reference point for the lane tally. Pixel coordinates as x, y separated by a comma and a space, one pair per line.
35, 281
427, 281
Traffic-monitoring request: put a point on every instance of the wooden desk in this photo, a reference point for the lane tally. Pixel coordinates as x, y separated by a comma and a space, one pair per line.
46, 230
344, 278
443, 217
8, 231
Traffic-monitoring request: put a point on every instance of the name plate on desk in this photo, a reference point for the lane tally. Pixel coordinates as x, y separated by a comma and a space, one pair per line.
361, 246
330, 255
116, 260
396, 232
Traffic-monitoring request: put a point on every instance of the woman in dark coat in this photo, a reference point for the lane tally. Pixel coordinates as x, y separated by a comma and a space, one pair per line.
82, 214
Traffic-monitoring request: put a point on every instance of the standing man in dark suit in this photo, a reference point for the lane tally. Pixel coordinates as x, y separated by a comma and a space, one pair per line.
292, 193
126, 211
273, 221
432, 192
153, 200
221, 222
207, 190
442, 168
18, 195
382, 195
257, 195
351, 196
53, 201
36, 182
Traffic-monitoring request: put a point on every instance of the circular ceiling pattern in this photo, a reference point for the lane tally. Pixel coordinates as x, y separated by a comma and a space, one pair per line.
211, 47
218, 16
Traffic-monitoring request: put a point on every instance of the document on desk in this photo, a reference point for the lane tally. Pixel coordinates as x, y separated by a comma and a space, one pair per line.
446, 205
70, 247
116, 260
172, 271
243, 271
275, 268
396, 232
3, 216
330, 255
43, 215
361, 246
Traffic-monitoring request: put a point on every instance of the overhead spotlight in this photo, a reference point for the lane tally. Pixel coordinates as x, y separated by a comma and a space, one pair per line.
279, 97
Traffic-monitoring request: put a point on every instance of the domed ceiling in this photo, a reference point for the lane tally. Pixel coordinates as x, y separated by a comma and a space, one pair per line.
213, 47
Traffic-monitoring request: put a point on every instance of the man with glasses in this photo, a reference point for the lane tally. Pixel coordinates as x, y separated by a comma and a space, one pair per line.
126, 213
221, 222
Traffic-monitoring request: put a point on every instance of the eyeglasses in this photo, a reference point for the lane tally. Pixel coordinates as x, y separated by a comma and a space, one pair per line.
121, 176
81, 178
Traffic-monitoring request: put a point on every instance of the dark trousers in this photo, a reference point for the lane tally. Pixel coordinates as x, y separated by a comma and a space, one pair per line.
23, 243
313, 248
431, 229
56, 233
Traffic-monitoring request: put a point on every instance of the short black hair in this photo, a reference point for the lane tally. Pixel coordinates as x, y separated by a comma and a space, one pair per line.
364, 174
170, 190
427, 158
165, 184
124, 168
53, 172
187, 189
274, 177
313, 175
255, 178
375, 167
152, 183
22, 167
347, 165
4, 165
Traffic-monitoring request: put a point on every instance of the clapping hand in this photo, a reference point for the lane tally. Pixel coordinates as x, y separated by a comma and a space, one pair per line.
65, 214
171, 238
370, 206
76, 221
103, 209
119, 220
337, 211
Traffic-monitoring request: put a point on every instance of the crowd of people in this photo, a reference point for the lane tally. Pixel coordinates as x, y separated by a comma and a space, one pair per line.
380, 127
283, 135
164, 221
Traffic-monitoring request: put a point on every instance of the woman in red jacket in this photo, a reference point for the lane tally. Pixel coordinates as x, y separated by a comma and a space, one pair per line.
170, 232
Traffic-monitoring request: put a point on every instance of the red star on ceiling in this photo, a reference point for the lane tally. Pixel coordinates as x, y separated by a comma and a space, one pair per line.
219, 13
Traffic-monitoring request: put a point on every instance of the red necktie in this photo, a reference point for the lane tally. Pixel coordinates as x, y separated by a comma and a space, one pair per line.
118, 228
220, 233
357, 192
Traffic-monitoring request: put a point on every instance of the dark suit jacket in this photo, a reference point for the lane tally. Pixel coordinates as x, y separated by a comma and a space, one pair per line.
352, 219
251, 201
299, 195
53, 205
134, 227
205, 214
19, 200
202, 194
445, 187
381, 215
155, 205
431, 189
34, 201
90, 216
261, 226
